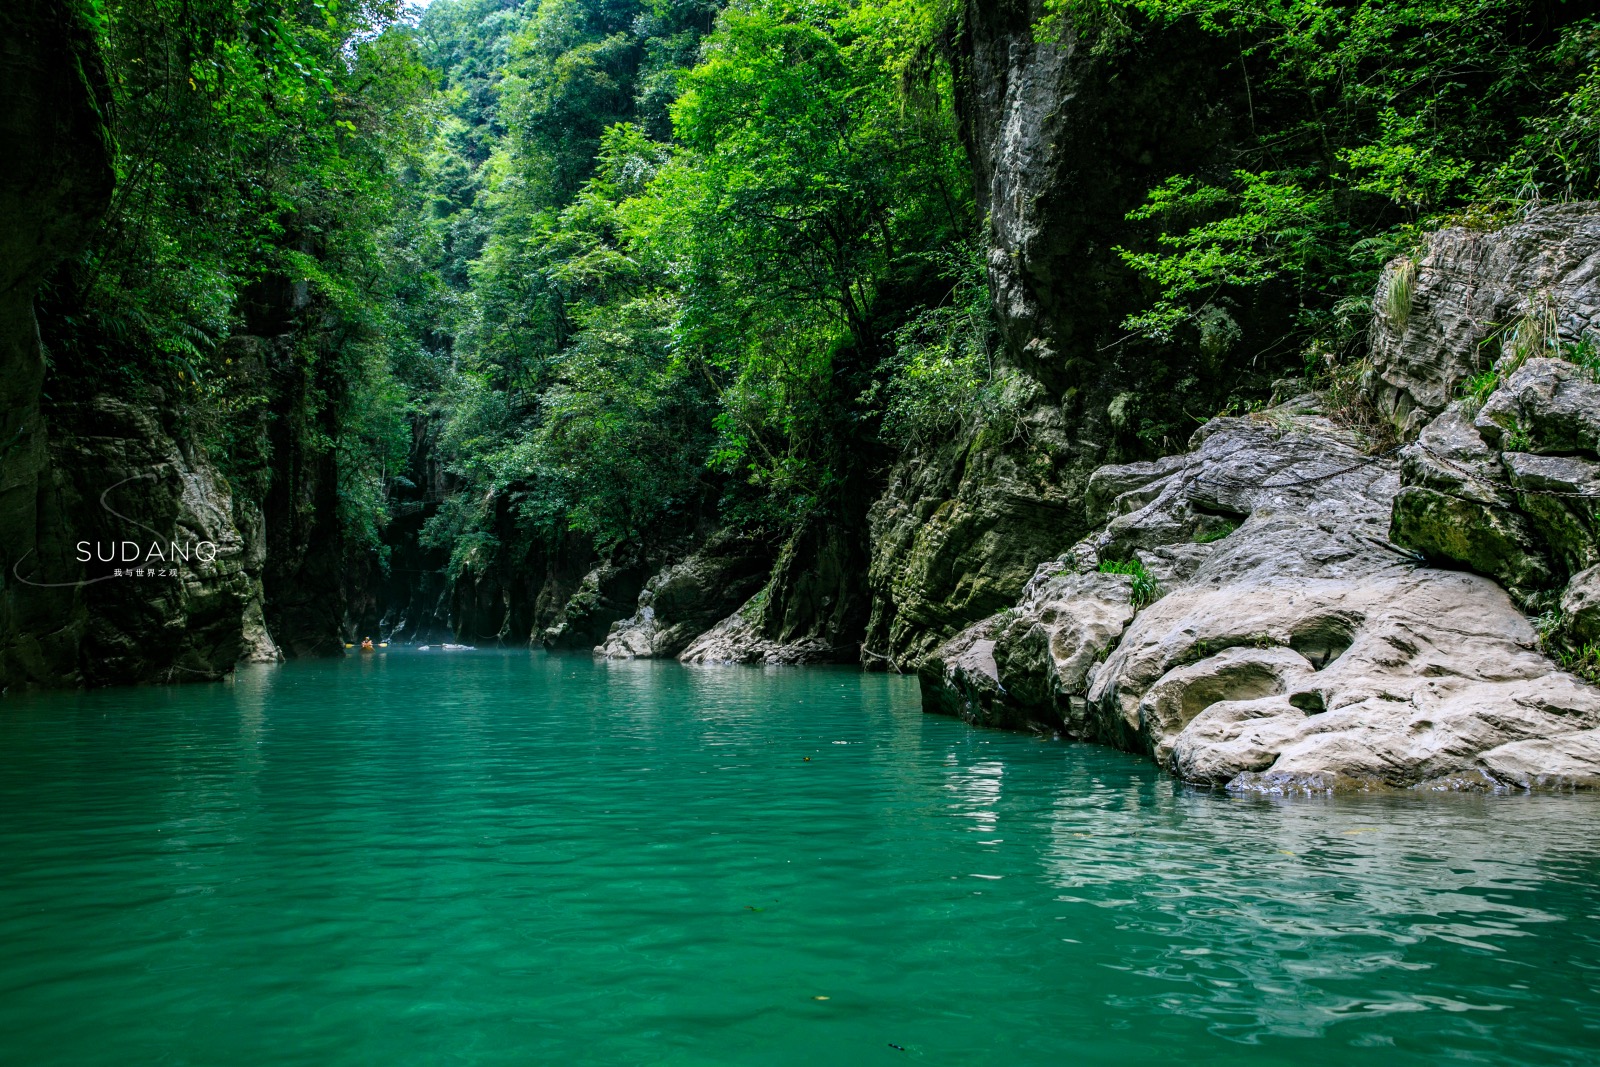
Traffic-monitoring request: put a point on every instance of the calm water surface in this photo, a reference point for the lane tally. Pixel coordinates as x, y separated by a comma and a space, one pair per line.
486, 858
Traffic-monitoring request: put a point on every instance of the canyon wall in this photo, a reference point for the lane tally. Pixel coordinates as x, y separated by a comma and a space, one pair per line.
126, 556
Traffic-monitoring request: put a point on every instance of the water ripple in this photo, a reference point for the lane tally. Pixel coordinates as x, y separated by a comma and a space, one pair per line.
512, 858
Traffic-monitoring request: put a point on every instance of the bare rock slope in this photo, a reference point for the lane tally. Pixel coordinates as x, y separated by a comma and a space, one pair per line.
1299, 651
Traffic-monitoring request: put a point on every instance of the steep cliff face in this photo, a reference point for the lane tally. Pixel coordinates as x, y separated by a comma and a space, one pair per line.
55, 181
126, 556
178, 611
1064, 139
522, 590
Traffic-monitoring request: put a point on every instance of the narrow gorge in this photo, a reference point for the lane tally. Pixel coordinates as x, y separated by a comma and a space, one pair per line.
996, 533
1274, 556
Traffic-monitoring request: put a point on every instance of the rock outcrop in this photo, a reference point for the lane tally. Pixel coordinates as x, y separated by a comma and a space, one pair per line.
1470, 298
812, 608
188, 607
687, 598
956, 534
1299, 651
607, 593
1487, 361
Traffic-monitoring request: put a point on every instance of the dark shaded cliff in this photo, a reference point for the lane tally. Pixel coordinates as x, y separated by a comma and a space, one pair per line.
55, 181
123, 555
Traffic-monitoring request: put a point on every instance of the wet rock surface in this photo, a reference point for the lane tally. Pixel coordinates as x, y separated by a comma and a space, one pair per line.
1029, 666
1299, 652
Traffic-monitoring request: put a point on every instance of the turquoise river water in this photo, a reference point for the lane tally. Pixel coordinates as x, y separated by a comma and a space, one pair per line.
518, 858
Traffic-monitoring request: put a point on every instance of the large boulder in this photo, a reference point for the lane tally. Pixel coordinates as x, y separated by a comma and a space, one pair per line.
1457, 508
1029, 666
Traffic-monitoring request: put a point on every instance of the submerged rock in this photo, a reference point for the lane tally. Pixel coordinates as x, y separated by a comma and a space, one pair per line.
1299, 652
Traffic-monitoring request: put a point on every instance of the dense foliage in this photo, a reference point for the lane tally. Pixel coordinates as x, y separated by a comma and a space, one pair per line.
630, 265
256, 146
690, 241
1371, 122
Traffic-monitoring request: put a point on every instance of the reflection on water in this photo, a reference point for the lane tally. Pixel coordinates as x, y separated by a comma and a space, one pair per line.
509, 858
1289, 918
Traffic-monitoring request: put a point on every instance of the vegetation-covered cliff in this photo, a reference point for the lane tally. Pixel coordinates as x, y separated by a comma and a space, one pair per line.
751, 331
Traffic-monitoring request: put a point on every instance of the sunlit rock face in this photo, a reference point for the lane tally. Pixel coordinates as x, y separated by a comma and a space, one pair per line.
1296, 651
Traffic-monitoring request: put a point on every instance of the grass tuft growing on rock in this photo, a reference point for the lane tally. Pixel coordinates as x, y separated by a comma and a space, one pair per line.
1399, 292
1476, 389
1583, 661
1216, 535
1146, 589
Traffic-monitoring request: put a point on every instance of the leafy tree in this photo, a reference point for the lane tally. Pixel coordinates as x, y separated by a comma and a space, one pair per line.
1373, 122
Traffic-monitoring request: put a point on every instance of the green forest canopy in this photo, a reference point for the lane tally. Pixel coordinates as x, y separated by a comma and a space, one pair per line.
637, 259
